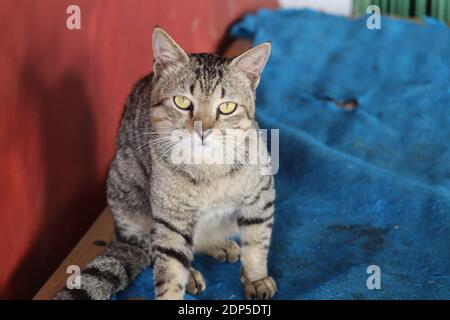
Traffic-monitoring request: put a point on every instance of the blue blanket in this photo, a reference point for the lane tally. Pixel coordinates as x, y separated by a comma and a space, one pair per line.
355, 188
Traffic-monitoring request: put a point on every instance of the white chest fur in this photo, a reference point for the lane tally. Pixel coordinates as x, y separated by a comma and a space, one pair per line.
214, 225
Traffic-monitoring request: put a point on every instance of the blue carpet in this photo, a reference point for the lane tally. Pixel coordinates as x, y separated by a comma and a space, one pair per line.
355, 188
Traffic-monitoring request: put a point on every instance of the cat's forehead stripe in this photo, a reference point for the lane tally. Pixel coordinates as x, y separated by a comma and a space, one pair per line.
208, 71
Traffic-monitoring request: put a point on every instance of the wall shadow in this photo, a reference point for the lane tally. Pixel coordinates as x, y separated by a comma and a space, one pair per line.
73, 197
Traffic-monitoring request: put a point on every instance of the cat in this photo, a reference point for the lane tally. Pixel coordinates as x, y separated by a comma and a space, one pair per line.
165, 210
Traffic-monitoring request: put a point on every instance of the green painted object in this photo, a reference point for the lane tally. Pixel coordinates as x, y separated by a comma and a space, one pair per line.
439, 9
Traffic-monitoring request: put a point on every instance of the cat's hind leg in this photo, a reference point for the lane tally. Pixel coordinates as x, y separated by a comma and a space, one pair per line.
224, 251
130, 251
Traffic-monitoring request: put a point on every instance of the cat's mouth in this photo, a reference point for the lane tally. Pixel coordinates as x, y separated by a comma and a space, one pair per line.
191, 150
202, 148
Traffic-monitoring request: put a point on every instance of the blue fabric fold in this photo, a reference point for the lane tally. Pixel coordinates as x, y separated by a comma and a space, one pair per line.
354, 188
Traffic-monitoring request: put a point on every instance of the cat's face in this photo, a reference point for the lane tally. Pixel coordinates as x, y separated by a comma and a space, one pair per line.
203, 103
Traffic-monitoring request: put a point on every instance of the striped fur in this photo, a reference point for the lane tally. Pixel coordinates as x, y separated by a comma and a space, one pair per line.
165, 212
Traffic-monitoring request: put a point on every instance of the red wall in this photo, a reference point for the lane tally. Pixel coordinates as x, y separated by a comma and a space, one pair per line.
61, 97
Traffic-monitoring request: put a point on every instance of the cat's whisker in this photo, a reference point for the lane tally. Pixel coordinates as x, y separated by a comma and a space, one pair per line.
232, 147
151, 140
151, 144
236, 156
169, 149
161, 145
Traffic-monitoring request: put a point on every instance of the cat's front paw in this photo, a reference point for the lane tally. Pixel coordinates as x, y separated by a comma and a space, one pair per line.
196, 282
262, 289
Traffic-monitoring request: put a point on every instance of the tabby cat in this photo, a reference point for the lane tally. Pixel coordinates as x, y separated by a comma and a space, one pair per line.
165, 210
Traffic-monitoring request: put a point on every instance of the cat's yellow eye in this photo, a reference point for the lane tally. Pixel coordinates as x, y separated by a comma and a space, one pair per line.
182, 102
227, 107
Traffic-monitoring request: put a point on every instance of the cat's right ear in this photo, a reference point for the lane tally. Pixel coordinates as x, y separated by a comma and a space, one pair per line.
166, 51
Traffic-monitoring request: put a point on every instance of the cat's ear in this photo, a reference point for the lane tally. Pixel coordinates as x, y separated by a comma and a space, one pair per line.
252, 62
166, 51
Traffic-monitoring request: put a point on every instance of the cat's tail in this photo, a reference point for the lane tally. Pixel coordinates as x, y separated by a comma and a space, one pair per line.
108, 273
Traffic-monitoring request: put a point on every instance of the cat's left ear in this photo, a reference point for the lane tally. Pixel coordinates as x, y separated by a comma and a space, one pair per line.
166, 51
252, 62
